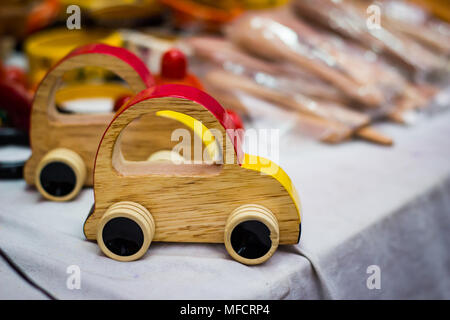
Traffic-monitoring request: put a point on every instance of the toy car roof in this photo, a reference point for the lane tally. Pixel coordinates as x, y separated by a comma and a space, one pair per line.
121, 53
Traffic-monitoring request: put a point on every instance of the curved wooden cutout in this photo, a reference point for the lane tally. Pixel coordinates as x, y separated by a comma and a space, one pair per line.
79, 133
196, 95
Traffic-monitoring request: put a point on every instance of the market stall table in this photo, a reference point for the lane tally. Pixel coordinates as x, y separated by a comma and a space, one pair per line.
363, 205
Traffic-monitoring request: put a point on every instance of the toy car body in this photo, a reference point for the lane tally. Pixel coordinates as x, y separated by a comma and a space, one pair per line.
242, 204
63, 145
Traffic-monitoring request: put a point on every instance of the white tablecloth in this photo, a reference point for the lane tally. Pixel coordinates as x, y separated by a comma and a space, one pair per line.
363, 205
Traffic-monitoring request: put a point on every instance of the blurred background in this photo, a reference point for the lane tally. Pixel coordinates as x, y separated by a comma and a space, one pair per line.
323, 70
358, 91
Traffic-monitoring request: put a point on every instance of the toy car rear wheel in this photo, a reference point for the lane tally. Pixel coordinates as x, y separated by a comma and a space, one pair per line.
125, 231
60, 175
251, 234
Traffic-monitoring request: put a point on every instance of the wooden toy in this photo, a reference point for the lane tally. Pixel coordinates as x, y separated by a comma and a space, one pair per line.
248, 203
64, 145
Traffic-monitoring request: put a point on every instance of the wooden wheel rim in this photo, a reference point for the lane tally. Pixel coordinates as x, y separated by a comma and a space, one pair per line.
134, 212
73, 161
248, 213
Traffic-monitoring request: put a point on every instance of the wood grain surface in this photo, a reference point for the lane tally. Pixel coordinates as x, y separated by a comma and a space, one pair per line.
188, 202
80, 133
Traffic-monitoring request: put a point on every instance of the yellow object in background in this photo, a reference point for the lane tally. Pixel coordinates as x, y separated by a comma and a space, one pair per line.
243, 4
45, 48
117, 9
111, 91
440, 8
203, 14
262, 4
211, 14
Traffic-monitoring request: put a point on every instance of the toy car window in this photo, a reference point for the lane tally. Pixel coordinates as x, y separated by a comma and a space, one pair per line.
167, 142
89, 91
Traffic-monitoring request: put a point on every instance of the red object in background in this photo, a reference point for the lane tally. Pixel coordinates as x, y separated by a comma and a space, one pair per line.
173, 64
237, 123
236, 119
42, 15
120, 101
15, 98
192, 13
16, 101
174, 68
16, 75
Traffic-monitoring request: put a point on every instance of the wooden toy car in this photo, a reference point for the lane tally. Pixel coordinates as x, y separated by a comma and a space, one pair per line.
251, 206
64, 145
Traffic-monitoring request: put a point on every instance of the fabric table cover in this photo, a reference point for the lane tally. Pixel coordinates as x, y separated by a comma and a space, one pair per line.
363, 205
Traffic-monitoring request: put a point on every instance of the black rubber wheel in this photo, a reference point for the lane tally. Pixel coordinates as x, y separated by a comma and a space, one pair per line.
122, 236
58, 179
251, 239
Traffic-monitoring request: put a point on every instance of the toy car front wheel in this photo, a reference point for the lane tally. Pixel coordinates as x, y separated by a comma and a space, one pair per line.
125, 231
251, 234
60, 175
